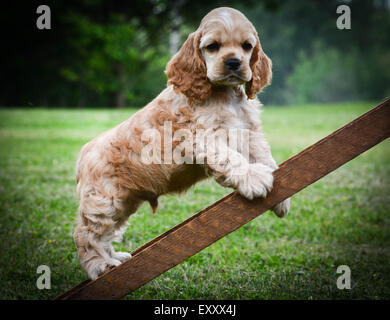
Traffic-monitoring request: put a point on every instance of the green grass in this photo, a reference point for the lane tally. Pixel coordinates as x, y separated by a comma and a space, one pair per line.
343, 219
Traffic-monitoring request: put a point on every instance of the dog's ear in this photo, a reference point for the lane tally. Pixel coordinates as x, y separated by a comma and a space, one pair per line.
186, 71
261, 67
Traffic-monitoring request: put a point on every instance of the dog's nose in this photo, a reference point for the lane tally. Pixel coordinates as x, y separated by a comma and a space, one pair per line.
233, 64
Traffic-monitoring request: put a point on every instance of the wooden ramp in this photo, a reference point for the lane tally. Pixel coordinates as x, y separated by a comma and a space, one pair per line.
233, 211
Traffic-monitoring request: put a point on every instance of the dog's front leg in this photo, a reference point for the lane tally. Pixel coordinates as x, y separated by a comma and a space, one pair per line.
231, 169
260, 152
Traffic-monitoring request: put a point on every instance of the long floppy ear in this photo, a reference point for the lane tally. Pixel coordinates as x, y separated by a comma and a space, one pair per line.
186, 70
261, 67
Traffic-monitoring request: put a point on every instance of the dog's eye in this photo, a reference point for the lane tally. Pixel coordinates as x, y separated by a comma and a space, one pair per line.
246, 46
213, 47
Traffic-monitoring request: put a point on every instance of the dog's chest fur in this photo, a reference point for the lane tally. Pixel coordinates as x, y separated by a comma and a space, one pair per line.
232, 111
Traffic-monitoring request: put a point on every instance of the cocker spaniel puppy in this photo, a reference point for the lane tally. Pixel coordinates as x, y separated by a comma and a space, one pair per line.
191, 131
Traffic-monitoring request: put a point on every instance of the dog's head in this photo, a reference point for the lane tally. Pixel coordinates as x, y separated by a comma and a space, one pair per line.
224, 51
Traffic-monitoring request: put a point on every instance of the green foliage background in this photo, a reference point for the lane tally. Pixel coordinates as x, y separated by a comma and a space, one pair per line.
113, 53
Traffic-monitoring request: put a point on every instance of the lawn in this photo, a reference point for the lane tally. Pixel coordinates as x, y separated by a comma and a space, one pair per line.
343, 219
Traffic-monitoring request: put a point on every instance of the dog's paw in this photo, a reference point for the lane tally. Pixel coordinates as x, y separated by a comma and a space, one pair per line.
256, 182
121, 256
282, 209
98, 265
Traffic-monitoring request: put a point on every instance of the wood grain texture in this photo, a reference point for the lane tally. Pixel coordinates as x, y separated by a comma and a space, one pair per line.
233, 211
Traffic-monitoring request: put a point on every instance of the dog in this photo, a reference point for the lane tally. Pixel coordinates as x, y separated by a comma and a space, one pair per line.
212, 85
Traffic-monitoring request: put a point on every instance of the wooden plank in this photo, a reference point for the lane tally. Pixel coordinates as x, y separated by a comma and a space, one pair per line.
233, 211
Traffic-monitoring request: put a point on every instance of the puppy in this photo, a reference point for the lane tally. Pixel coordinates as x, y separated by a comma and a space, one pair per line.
212, 85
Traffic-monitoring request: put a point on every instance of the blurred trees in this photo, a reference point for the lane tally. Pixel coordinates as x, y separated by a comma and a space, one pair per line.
313, 61
112, 59
113, 53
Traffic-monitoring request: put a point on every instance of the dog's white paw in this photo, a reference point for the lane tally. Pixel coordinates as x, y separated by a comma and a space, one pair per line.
98, 265
256, 182
282, 209
121, 256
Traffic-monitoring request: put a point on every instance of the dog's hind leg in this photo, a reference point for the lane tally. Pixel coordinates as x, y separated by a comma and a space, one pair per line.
102, 220
120, 226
